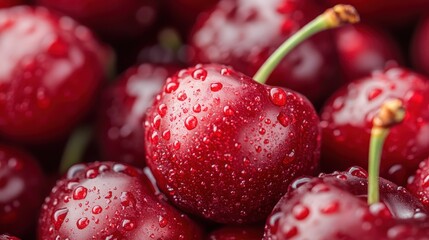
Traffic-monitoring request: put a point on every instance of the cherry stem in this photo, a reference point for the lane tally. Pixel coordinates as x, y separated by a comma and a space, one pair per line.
332, 18
391, 113
75, 147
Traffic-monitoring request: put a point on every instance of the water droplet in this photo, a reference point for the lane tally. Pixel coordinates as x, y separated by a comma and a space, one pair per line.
216, 87
290, 157
191, 122
97, 209
182, 96
121, 168
289, 231
358, 172
199, 74
162, 109
300, 212
80, 193
176, 145
278, 96
196, 108
127, 199
91, 173
58, 47
171, 87
225, 71
128, 224
166, 135
283, 119
331, 207
162, 221
82, 223
59, 217
374, 93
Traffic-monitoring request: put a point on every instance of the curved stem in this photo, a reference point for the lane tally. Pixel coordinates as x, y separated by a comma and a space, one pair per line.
391, 113
331, 18
75, 147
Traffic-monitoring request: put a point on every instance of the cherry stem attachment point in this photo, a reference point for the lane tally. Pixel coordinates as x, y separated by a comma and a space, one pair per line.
391, 113
332, 18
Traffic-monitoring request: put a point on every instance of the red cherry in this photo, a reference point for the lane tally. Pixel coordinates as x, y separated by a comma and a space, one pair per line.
118, 19
244, 33
363, 49
22, 188
333, 207
7, 237
123, 110
111, 200
11, 3
346, 121
48, 83
237, 233
233, 145
419, 183
419, 49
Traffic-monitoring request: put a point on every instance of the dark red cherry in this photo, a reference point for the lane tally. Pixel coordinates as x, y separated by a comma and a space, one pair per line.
118, 19
237, 233
123, 108
419, 49
22, 188
244, 33
419, 182
346, 122
52, 68
334, 206
363, 49
224, 147
111, 201
7, 237
11, 3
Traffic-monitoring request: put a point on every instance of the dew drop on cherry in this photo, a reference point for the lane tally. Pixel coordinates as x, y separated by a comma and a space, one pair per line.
128, 224
80, 193
191, 122
171, 87
278, 96
82, 223
215, 87
283, 119
300, 212
162, 221
331, 207
199, 74
97, 209
162, 109
59, 217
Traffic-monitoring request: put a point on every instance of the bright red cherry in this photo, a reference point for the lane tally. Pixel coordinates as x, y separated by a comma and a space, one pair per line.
52, 68
334, 207
123, 108
419, 49
22, 188
244, 33
347, 116
224, 147
118, 19
363, 49
111, 201
419, 182
7, 237
237, 233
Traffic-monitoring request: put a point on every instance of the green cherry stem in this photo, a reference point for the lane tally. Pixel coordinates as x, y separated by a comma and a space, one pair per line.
391, 113
75, 147
331, 18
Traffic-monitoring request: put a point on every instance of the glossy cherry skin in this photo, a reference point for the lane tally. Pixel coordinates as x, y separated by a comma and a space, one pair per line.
117, 19
419, 49
333, 206
392, 13
123, 108
47, 83
22, 188
419, 182
224, 147
7, 237
363, 49
111, 200
346, 122
237, 233
245, 33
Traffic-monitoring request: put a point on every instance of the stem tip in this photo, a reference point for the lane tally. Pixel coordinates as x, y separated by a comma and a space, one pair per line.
391, 113
341, 14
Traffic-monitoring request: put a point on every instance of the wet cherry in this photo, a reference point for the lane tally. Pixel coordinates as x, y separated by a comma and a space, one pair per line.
22, 188
346, 123
231, 35
123, 110
49, 83
111, 201
419, 182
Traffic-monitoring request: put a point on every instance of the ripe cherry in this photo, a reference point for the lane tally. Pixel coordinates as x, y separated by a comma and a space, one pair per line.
346, 122
7, 237
115, 19
50, 81
22, 188
111, 201
244, 33
123, 108
419, 182
363, 49
223, 146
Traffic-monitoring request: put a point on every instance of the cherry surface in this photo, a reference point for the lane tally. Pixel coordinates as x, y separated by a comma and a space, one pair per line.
346, 122
224, 147
111, 200
333, 206
22, 188
419, 182
363, 48
237, 233
113, 19
11, 3
419, 49
7, 237
245, 33
50, 81
123, 108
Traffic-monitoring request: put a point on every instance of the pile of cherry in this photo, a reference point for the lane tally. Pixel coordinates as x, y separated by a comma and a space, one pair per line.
145, 119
